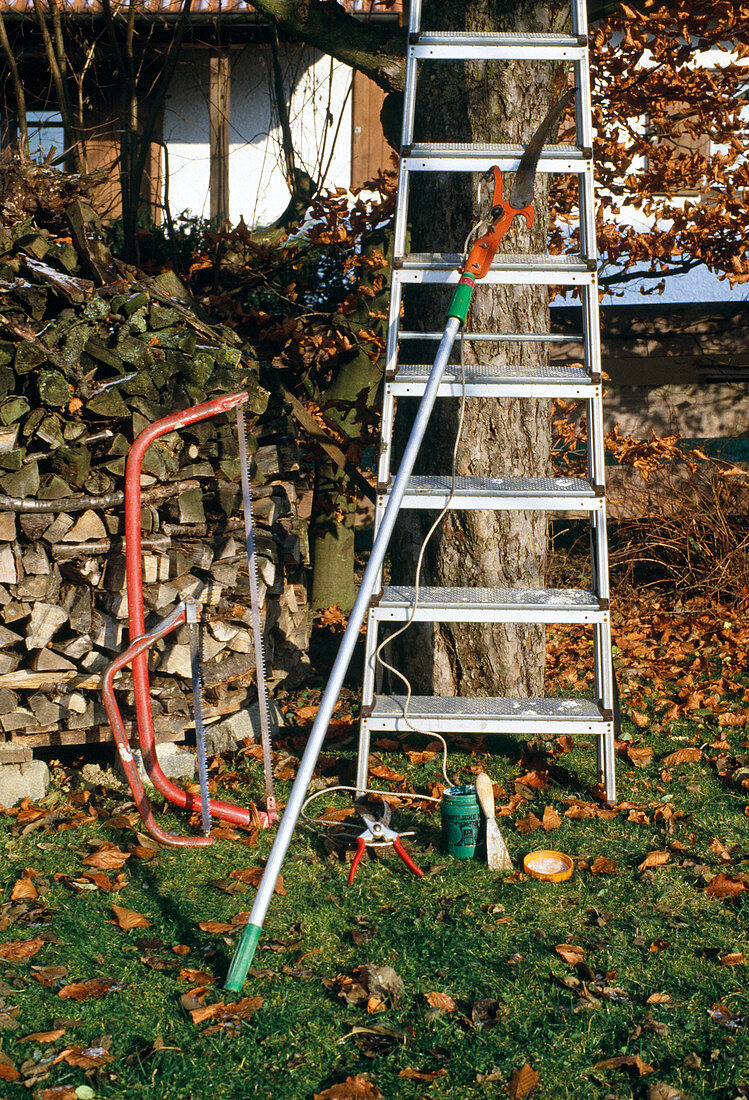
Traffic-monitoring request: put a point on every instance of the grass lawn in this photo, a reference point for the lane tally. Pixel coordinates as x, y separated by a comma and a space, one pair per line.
640, 958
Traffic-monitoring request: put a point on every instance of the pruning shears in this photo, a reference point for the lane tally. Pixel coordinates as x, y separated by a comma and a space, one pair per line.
378, 832
503, 211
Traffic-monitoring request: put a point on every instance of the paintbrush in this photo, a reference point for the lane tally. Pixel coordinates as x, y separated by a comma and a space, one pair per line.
497, 856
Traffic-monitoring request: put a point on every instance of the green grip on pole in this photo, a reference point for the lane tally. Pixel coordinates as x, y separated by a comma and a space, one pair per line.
243, 957
461, 301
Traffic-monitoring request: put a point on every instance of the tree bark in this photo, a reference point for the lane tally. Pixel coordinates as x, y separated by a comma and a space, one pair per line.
481, 102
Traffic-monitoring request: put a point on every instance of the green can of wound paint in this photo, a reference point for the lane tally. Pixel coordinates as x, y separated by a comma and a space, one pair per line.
460, 821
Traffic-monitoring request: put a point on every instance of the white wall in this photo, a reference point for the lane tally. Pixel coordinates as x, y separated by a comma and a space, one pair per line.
320, 103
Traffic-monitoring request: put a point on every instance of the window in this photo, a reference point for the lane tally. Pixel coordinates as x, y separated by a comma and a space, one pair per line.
46, 135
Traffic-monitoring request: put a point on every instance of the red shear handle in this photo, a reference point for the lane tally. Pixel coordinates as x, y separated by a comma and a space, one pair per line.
360, 846
406, 857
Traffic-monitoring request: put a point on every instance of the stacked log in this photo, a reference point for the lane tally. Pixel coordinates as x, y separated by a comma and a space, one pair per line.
85, 365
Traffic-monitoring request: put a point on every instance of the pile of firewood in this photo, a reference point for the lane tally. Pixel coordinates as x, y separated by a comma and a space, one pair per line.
91, 352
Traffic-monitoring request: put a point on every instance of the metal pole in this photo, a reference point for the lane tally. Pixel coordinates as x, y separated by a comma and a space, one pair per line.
245, 951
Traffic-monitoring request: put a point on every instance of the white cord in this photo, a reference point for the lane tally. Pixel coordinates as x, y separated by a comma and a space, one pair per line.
318, 822
378, 652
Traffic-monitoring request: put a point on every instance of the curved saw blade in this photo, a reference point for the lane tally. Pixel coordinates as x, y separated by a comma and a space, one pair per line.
257, 630
521, 194
191, 617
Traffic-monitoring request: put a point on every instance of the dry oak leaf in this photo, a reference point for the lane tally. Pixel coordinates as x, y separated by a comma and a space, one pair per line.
641, 720
689, 755
604, 866
551, 819
725, 886
57, 1092
625, 1061
523, 1082
654, 859
658, 999
638, 817
570, 952
107, 858
94, 987
731, 718
19, 950
353, 1088
42, 1036
382, 771
128, 918
440, 1001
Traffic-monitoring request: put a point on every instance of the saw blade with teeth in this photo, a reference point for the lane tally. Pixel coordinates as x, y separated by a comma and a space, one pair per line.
257, 630
191, 617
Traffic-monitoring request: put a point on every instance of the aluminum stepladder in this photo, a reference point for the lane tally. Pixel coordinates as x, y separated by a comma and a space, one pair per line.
585, 496
383, 713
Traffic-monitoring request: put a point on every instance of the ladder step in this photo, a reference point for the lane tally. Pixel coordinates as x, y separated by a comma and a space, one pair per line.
490, 605
504, 493
480, 156
509, 268
486, 715
497, 46
497, 380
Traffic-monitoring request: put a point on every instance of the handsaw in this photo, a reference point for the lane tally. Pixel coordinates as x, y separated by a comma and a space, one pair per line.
257, 630
191, 618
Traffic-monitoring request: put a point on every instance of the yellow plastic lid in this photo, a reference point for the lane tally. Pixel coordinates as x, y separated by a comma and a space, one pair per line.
548, 864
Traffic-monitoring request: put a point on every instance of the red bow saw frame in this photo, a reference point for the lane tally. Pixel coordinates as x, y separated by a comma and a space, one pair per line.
137, 652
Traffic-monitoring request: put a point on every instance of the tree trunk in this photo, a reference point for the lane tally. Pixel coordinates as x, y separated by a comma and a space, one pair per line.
481, 102
332, 539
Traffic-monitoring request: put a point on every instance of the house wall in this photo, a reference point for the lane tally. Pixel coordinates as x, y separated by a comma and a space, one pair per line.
320, 118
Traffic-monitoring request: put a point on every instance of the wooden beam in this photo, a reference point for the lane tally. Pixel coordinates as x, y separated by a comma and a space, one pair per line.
219, 97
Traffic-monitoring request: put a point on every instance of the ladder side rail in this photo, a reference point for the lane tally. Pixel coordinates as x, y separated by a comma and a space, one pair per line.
579, 17
414, 17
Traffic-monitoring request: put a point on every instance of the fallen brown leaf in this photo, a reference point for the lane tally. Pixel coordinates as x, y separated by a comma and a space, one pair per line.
128, 918
107, 858
733, 958
626, 1061
8, 1071
57, 1092
215, 926
654, 859
570, 952
551, 819
84, 1058
658, 999
23, 888
253, 875
196, 977
48, 975
720, 850
94, 987
20, 950
523, 1082
43, 1036
441, 1001
353, 1088
604, 866
419, 1075
528, 824
689, 755
640, 755
725, 886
